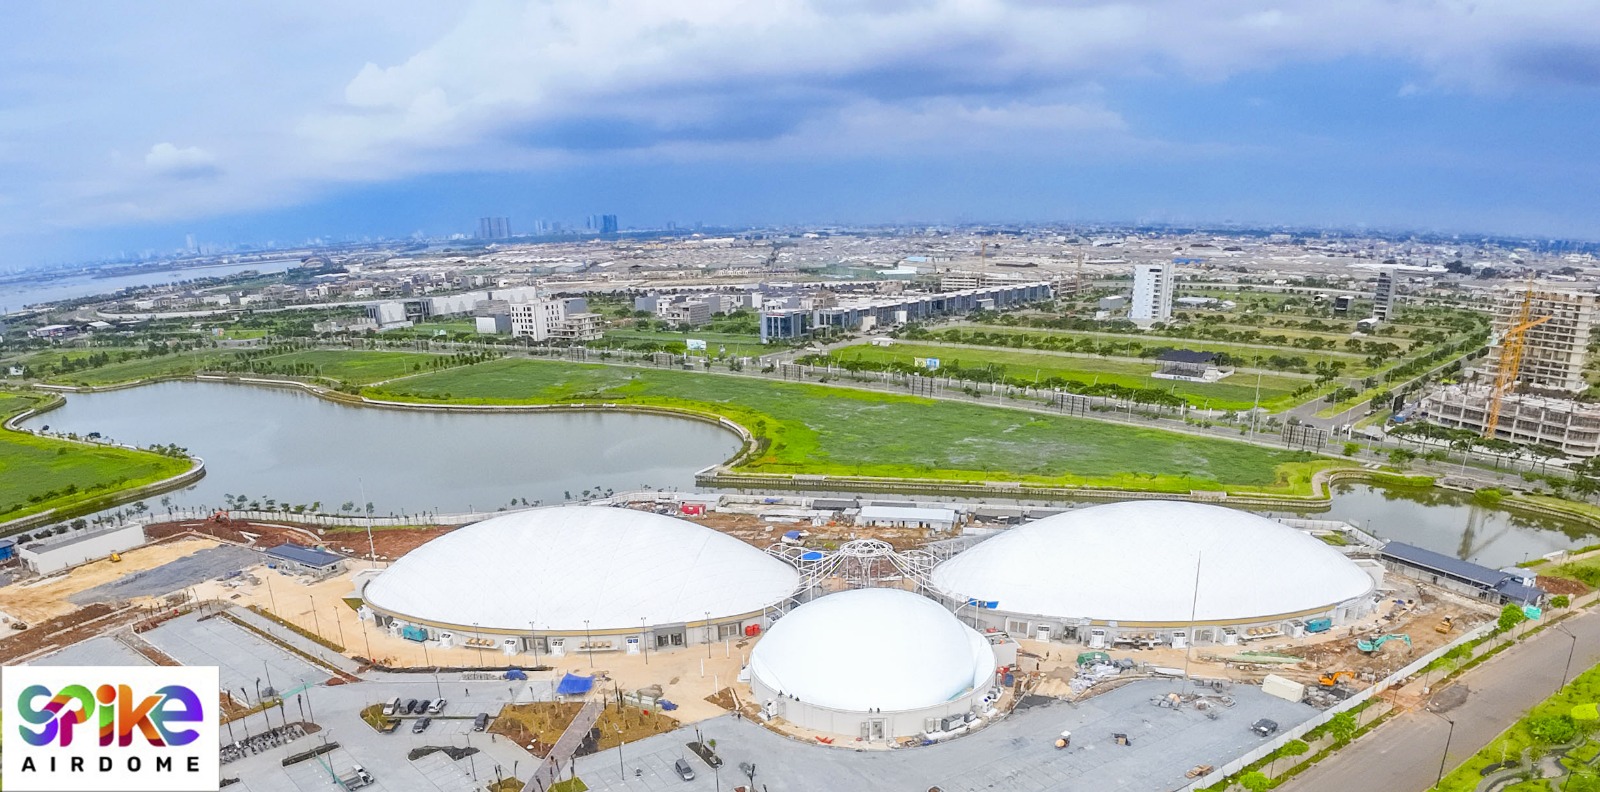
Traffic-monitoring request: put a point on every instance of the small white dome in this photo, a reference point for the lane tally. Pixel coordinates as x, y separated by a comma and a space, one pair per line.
863, 649
1135, 562
560, 566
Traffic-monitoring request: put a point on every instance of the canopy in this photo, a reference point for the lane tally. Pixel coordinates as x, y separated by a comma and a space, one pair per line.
573, 685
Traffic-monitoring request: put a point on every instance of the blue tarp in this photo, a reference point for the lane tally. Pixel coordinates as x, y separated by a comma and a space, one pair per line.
573, 685
811, 555
791, 534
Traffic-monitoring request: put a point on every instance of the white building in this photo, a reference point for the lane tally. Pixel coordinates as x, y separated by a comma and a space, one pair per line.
537, 320
570, 579
876, 664
1152, 292
1155, 572
79, 547
1572, 426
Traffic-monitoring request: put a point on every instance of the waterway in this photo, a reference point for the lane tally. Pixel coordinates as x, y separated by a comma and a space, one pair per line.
295, 448
14, 296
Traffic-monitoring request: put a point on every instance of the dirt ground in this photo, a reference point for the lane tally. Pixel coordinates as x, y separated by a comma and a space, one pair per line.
1338, 652
44, 598
1567, 586
752, 530
64, 630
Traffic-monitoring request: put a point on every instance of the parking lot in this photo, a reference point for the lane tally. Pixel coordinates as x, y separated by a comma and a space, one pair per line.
175, 575
242, 657
102, 651
1015, 754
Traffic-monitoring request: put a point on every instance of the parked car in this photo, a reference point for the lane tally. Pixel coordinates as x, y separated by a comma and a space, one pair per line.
422, 707
683, 770
437, 707
481, 722
391, 708
361, 772
410, 708
421, 725
1264, 727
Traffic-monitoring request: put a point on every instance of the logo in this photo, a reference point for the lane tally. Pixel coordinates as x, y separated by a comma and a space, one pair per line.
105, 728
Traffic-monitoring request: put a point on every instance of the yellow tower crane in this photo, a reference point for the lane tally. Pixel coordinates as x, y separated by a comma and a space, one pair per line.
1511, 347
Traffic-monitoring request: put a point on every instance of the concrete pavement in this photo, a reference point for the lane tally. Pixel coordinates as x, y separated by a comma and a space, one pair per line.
1404, 755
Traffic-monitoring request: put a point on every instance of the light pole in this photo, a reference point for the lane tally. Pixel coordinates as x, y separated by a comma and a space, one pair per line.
478, 635
588, 642
535, 642
644, 642
1446, 755
372, 547
708, 634
1570, 649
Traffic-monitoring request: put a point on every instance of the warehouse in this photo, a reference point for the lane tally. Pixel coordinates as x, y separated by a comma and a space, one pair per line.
571, 579
876, 664
1155, 573
79, 547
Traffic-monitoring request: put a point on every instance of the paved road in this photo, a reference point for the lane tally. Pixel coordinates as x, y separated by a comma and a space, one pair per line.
1404, 754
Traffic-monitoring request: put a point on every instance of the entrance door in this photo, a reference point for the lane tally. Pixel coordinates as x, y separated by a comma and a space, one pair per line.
872, 730
1042, 633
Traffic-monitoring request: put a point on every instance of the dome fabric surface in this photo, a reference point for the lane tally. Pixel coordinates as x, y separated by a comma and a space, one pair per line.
864, 649
558, 567
1136, 561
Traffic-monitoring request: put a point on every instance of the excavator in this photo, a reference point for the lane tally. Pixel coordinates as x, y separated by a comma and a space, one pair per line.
1374, 645
1329, 680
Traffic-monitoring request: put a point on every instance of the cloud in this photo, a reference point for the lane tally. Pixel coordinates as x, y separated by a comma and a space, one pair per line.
302, 98
191, 162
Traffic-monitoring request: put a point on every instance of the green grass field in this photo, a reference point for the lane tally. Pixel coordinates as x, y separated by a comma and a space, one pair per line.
736, 344
1235, 393
130, 370
1243, 352
357, 366
826, 430
40, 473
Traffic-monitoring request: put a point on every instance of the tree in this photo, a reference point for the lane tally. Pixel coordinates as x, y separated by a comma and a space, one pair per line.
1255, 781
1342, 727
1560, 601
1553, 729
1511, 616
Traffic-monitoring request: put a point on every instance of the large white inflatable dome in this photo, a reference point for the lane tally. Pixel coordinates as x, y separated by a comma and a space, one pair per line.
865, 649
1136, 562
571, 568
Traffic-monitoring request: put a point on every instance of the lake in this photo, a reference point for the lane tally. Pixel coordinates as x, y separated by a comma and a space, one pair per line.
13, 296
293, 447
296, 448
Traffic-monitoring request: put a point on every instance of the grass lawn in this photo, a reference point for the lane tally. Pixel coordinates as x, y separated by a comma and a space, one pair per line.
355, 366
1244, 352
1235, 393
39, 473
130, 370
819, 429
736, 344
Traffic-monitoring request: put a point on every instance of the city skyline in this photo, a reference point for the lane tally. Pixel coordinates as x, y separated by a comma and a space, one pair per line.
372, 119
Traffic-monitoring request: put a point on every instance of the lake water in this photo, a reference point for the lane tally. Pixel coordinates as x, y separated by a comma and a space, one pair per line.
296, 448
13, 296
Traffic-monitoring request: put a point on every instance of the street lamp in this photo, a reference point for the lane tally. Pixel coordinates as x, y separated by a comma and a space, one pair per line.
535, 642
588, 642
1570, 649
1446, 755
477, 634
708, 634
643, 642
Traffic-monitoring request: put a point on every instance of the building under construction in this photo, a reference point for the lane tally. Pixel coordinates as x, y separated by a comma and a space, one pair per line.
1538, 361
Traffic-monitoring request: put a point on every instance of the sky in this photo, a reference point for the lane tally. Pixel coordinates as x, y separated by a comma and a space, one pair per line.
126, 126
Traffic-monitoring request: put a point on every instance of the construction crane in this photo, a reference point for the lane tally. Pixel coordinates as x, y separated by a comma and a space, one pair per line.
1511, 346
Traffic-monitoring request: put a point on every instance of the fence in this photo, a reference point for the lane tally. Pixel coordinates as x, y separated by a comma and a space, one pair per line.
1299, 731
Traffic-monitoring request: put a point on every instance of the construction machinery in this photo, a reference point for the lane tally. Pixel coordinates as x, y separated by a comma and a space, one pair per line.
1329, 680
1377, 643
116, 558
1511, 347
1445, 625
220, 517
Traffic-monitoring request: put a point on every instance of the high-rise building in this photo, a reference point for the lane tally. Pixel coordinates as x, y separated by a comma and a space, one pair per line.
608, 224
1383, 296
1152, 292
190, 245
494, 228
1554, 353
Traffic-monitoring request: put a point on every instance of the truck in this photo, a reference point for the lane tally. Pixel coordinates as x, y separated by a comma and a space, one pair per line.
1319, 625
356, 778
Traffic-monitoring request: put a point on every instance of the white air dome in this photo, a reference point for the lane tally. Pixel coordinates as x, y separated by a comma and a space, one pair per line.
866, 649
1136, 562
571, 568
